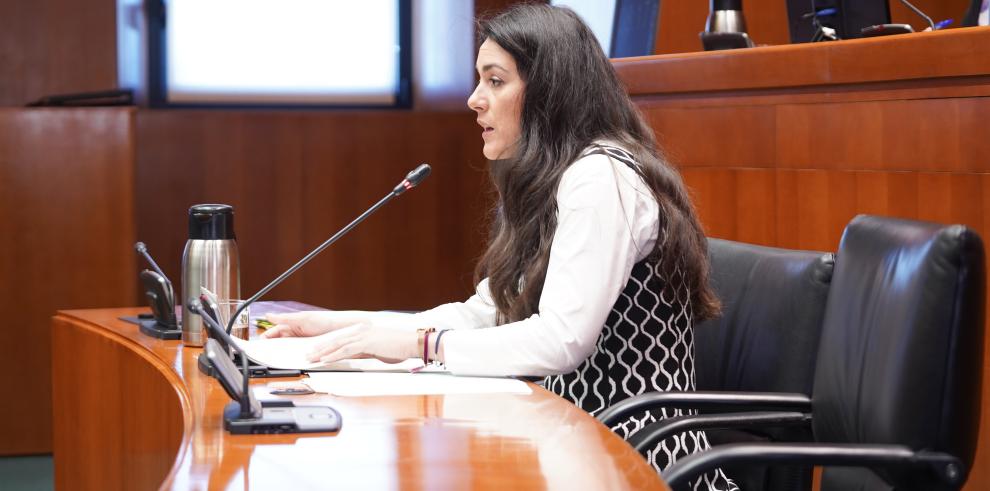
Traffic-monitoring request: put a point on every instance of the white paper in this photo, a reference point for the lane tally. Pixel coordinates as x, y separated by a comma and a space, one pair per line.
291, 353
399, 384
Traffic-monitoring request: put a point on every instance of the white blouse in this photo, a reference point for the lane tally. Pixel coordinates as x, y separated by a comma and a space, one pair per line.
607, 222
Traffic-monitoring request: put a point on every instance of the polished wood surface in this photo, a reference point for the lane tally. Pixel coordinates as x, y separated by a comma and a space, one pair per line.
137, 412
783, 145
120, 420
819, 67
67, 212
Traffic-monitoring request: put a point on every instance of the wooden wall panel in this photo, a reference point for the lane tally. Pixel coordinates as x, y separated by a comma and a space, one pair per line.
68, 219
699, 136
679, 25
767, 22
946, 134
943, 135
56, 47
295, 178
734, 202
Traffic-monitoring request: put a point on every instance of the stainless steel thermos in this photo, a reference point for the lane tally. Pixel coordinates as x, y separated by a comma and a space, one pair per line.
209, 260
726, 16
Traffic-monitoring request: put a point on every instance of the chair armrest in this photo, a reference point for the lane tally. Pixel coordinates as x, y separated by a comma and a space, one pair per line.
727, 401
648, 437
949, 469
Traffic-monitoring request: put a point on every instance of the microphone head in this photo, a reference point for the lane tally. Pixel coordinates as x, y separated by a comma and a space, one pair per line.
140, 247
418, 174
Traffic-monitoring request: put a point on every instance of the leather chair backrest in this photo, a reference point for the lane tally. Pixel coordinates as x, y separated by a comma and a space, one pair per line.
900, 356
773, 302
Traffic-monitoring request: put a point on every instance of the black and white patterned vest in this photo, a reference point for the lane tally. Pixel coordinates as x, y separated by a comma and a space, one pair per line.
646, 345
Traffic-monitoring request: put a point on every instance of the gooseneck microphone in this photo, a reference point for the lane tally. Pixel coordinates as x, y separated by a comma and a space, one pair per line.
143, 250
411, 180
160, 294
921, 14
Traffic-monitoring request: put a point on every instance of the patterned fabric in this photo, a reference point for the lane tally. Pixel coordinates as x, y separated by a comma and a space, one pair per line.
646, 345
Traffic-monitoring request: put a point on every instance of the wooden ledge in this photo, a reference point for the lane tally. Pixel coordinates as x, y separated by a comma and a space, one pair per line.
944, 54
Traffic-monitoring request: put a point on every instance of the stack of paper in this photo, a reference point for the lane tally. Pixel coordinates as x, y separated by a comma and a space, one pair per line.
291, 353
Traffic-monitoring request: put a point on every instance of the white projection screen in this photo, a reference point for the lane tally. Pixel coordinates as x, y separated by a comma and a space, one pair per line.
289, 52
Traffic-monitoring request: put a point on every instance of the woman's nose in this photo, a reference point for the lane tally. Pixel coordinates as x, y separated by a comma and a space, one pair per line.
475, 101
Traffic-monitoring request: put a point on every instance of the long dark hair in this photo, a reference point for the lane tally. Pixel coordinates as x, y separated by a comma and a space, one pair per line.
572, 99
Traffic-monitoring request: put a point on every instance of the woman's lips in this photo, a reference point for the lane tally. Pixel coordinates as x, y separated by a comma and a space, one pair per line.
487, 132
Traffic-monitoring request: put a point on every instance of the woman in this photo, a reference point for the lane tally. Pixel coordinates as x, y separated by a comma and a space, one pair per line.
596, 268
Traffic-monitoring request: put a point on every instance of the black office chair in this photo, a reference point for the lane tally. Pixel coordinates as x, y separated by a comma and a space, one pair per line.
972, 16
773, 302
897, 384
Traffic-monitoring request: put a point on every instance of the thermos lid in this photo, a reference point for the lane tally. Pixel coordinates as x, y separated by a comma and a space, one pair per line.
726, 5
211, 222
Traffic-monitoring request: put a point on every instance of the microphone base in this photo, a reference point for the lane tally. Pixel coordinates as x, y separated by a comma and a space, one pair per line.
714, 41
153, 328
281, 417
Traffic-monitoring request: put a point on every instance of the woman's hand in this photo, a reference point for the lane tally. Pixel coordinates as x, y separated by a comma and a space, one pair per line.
366, 340
305, 324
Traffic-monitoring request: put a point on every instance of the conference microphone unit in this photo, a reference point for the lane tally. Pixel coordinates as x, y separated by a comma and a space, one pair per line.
246, 414
413, 179
161, 299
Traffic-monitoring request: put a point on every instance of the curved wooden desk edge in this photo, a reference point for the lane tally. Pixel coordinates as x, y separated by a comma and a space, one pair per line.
108, 381
116, 381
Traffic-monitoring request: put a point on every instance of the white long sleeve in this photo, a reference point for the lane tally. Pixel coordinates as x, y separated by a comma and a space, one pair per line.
477, 311
607, 221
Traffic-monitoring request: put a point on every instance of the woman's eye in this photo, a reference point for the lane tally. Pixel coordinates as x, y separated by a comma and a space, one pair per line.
495, 82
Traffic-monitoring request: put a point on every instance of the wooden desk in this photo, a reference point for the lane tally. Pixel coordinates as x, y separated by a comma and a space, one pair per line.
133, 412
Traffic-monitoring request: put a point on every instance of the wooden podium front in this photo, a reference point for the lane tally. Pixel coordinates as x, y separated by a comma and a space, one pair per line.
135, 413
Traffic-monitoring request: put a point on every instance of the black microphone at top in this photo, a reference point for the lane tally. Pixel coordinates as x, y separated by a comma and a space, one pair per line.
412, 180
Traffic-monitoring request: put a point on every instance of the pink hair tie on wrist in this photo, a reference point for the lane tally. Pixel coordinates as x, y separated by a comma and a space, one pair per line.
426, 343
426, 348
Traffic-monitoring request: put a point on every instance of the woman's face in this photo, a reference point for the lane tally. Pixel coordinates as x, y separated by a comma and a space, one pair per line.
498, 100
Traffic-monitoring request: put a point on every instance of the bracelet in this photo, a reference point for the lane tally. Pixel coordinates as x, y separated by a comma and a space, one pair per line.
426, 347
436, 344
424, 338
